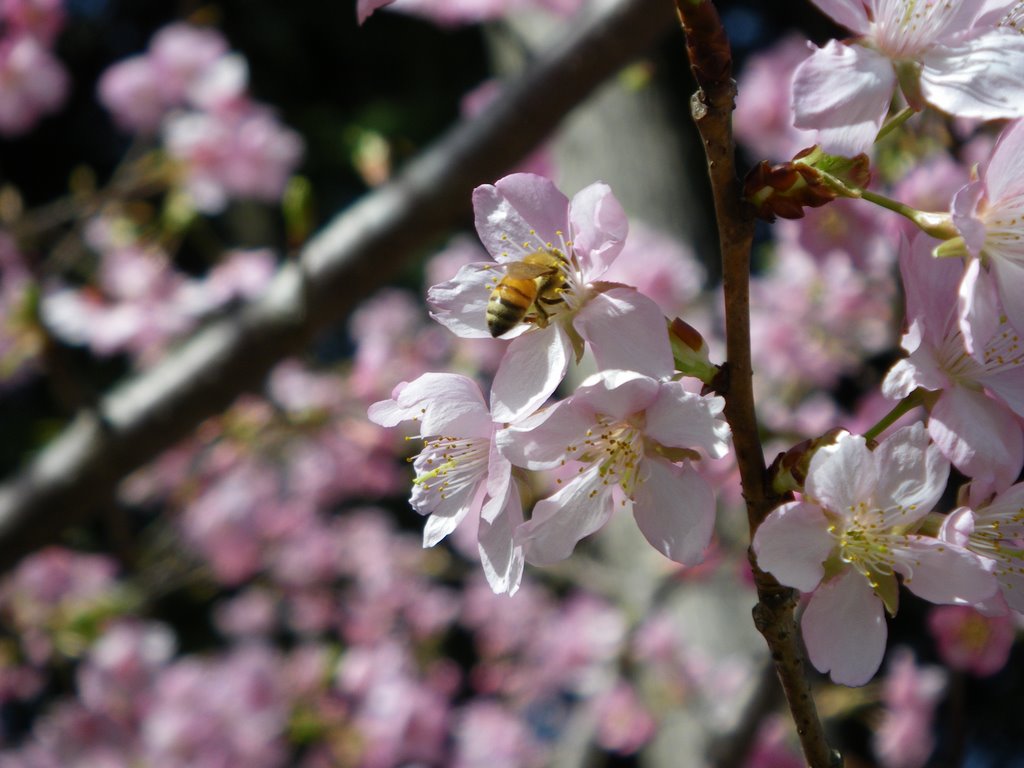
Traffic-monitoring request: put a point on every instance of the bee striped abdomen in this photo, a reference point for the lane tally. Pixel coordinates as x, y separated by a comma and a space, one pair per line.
510, 301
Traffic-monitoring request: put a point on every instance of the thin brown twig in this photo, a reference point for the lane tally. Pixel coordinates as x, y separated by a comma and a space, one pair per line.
351, 257
712, 107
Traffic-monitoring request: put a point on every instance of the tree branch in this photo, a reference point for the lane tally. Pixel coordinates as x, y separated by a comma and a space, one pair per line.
711, 107
353, 255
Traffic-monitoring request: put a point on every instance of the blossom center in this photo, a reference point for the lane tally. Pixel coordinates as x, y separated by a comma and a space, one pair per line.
616, 447
450, 466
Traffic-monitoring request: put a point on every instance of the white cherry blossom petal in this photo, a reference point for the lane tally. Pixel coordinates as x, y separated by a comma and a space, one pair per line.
541, 442
843, 92
531, 370
792, 543
460, 305
849, 13
560, 521
978, 312
941, 572
1010, 278
518, 214
842, 475
617, 393
675, 510
978, 76
443, 404
912, 474
599, 229
972, 430
501, 557
682, 419
626, 330
844, 629
1004, 176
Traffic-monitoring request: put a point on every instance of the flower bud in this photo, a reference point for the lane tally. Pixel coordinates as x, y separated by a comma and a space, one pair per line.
690, 351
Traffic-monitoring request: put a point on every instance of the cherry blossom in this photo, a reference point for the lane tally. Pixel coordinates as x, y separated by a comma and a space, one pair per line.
458, 468
911, 693
973, 416
951, 55
522, 215
968, 640
629, 433
989, 213
994, 530
849, 536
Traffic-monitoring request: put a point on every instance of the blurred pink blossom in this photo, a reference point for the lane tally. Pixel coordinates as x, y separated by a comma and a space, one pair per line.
33, 83
905, 738
970, 641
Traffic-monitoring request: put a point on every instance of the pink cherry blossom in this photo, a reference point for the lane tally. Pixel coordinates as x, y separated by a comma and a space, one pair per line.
524, 214
994, 529
989, 213
224, 156
131, 90
952, 56
458, 468
849, 536
181, 53
974, 418
904, 738
34, 83
627, 431
970, 641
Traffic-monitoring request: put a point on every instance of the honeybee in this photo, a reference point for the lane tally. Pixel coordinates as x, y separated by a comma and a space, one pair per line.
534, 283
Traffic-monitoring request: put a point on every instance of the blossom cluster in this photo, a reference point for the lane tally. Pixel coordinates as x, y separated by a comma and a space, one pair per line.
192, 90
35, 83
627, 436
863, 521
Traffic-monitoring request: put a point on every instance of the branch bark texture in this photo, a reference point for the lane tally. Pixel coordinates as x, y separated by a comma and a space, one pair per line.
353, 255
712, 107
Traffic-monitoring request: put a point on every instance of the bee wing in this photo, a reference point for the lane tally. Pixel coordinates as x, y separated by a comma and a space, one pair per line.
525, 271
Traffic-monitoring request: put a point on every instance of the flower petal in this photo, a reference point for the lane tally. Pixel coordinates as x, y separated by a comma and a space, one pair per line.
792, 543
460, 304
1010, 278
842, 475
541, 441
979, 435
444, 403
532, 368
940, 572
561, 520
844, 629
626, 330
519, 214
1004, 176
843, 91
911, 473
850, 13
502, 558
681, 419
675, 509
978, 310
978, 76
599, 229
616, 393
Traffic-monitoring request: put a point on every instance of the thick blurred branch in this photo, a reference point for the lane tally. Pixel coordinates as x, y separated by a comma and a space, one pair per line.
712, 107
353, 255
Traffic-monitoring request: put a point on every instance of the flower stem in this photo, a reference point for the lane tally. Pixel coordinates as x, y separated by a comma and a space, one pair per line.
897, 120
904, 406
938, 225
711, 107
